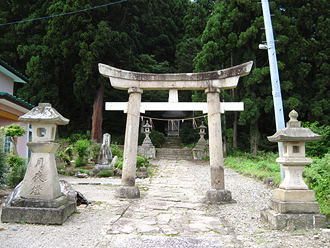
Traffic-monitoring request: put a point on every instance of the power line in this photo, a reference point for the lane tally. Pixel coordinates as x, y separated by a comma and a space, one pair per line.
69, 13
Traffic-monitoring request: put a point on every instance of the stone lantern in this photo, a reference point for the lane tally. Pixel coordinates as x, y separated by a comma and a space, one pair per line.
293, 205
146, 128
147, 149
41, 200
201, 149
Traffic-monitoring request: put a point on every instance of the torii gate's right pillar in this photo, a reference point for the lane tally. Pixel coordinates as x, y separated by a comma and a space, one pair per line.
217, 193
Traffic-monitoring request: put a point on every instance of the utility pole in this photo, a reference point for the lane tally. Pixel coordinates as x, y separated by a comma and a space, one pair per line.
274, 75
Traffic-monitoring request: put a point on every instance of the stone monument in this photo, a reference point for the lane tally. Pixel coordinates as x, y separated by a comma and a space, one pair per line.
147, 149
201, 149
105, 155
41, 200
293, 205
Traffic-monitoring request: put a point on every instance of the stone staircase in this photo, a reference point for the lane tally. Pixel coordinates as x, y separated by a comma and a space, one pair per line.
171, 149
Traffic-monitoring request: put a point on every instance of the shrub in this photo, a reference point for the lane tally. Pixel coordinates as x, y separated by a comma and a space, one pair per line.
3, 166
94, 150
141, 162
81, 148
106, 173
157, 138
188, 135
317, 177
321, 147
119, 165
17, 170
116, 151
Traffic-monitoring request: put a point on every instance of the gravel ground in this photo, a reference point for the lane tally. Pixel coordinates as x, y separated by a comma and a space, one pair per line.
182, 186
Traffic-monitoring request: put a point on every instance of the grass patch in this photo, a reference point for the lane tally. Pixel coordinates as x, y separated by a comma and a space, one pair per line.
262, 166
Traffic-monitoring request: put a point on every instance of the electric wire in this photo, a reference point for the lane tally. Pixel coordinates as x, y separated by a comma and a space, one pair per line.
68, 13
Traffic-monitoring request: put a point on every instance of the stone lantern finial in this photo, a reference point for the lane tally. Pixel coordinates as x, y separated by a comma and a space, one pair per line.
293, 122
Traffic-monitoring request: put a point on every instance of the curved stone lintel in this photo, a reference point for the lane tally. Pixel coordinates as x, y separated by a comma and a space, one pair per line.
223, 79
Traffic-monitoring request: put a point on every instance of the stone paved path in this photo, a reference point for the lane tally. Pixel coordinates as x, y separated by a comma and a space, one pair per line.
170, 213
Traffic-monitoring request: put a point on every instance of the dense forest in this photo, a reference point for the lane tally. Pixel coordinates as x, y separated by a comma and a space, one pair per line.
60, 54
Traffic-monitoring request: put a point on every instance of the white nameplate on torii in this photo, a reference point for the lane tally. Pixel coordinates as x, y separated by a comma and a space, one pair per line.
177, 106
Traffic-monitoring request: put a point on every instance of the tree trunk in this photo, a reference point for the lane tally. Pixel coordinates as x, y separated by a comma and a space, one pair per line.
254, 133
97, 115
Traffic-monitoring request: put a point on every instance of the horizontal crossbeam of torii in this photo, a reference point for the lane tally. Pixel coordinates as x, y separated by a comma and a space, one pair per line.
212, 82
175, 106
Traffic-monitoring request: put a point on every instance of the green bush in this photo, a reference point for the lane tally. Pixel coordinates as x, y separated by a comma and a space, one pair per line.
119, 165
321, 147
188, 134
77, 136
17, 169
82, 148
3, 167
317, 178
141, 162
94, 150
157, 138
116, 151
106, 173
69, 151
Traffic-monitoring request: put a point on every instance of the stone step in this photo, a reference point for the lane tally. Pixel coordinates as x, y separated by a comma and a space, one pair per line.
168, 153
172, 142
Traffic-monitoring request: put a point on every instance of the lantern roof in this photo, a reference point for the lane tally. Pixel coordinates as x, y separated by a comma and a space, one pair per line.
202, 126
44, 112
147, 125
294, 132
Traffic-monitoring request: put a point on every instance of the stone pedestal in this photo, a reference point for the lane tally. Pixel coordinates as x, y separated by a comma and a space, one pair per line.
217, 193
128, 188
40, 199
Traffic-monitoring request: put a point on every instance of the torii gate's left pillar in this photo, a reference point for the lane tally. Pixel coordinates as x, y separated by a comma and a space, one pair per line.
128, 188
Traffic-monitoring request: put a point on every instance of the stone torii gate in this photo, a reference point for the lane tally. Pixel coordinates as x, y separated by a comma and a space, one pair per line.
212, 82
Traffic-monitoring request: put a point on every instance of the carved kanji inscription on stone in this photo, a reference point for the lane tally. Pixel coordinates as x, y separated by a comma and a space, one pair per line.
36, 190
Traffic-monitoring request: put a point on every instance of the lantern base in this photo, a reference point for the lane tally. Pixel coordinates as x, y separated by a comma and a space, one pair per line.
37, 211
292, 222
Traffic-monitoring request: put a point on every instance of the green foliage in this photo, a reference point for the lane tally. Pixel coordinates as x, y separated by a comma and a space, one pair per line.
94, 150
119, 165
321, 147
106, 173
116, 151
69, 151
157, 138
12, 131
317, 177
82, 149
17, 169
3, 166
188, 135
263, 166
141, 162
